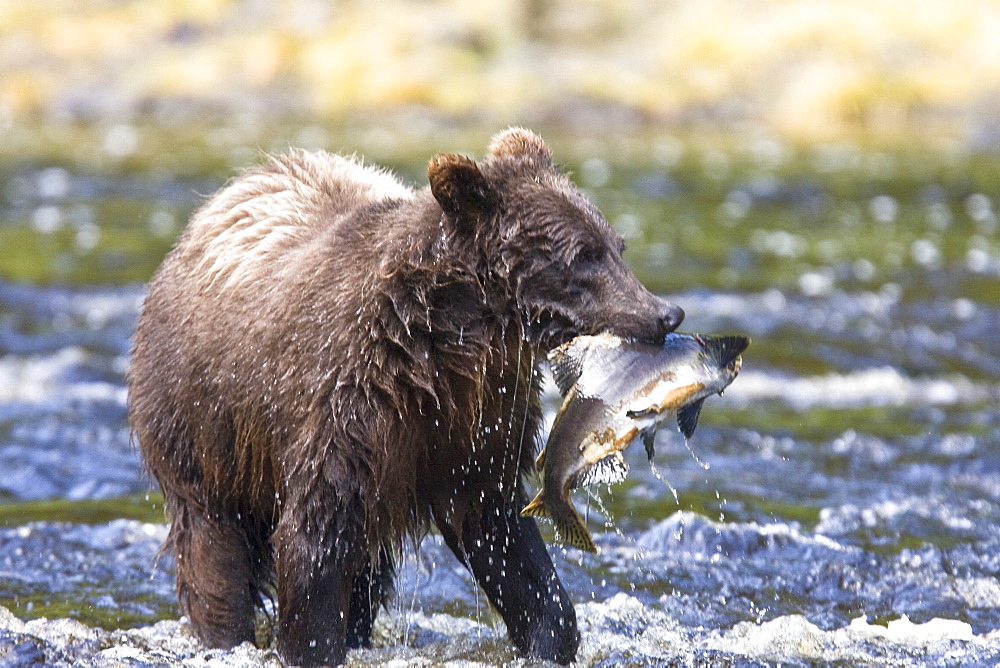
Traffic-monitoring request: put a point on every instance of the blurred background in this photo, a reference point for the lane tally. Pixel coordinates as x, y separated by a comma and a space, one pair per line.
808, 70
819, 174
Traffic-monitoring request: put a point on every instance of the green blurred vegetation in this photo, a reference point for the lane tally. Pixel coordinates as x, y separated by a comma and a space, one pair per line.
143, 507
717, 211
142, 610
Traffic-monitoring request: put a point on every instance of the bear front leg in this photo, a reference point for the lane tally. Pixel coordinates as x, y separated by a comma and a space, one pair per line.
509, 561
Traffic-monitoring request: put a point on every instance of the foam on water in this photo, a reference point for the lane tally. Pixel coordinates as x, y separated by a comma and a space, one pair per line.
63, 354
786, 545
53, 380
699, 537
794, 638
882, 386
622, 629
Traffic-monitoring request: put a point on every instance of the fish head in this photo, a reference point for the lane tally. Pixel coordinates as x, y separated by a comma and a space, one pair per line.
610, 469
600, 458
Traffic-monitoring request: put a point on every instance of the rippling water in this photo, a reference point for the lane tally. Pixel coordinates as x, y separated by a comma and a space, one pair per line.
840, 503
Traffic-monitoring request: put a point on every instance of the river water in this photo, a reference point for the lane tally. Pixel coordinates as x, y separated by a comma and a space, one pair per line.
840, 504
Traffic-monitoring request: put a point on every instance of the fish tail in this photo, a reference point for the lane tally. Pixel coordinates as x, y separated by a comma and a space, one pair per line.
724, 349
574, 532
536, 508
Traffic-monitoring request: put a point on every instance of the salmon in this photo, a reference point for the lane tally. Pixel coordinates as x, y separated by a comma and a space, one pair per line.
615, 391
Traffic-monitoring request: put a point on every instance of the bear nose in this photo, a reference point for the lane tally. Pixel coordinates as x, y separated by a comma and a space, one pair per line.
671, 317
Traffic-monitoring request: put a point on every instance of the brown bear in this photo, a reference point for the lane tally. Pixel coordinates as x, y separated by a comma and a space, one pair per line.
328, 362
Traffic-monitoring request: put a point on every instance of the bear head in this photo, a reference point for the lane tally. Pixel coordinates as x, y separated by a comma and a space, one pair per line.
545, 244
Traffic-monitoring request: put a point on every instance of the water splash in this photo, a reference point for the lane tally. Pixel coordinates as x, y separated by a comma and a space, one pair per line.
704, 465
659, 476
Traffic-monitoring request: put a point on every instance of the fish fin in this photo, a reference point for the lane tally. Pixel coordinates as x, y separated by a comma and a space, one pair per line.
687, 417
537, 507
648, 437
575, 533
641, 413
724, 349
566, 367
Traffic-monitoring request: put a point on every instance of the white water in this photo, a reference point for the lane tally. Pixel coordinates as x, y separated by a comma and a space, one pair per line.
776, 545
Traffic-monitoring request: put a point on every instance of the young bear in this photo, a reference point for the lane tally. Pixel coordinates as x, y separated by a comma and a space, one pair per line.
328, 362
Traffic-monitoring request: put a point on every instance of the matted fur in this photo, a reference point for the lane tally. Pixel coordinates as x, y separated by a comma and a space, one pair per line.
263, 217
329, 361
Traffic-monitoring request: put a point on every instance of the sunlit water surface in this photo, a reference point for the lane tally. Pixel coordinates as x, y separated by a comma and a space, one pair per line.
840, 503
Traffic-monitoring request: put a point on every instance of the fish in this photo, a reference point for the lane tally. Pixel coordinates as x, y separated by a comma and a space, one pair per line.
615, 391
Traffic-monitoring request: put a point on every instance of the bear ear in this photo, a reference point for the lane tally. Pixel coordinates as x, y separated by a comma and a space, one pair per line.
460, 188
522, 144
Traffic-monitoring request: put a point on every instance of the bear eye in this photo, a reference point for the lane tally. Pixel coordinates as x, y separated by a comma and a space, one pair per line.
589, 255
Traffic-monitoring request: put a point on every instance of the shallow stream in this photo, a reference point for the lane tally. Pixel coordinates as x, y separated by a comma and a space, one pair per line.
840, 504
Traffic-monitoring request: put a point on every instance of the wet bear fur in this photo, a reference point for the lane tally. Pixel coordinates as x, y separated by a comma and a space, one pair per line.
329, 362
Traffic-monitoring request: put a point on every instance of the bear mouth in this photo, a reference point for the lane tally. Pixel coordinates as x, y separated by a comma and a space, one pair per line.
549, 329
